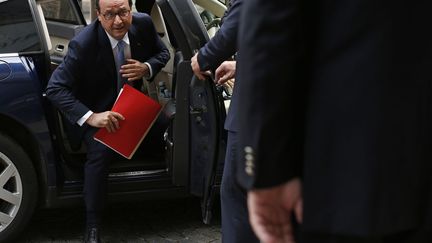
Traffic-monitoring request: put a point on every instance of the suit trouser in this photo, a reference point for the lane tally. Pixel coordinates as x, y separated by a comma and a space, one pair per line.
235, 217
95, 177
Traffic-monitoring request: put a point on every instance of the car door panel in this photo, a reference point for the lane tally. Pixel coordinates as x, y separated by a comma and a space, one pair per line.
199, 131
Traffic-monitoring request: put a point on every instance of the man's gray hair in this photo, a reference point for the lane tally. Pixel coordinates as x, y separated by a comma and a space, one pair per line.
98, 6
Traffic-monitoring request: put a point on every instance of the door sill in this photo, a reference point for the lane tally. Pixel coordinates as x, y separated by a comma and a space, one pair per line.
137, 173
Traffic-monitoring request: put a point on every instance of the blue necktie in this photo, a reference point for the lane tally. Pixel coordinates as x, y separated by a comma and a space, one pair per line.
120, 62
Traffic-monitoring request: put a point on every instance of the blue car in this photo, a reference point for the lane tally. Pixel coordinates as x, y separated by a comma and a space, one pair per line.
41, 161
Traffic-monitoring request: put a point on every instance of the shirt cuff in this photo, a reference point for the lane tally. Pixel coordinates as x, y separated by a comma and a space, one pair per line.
150, 71
84, 118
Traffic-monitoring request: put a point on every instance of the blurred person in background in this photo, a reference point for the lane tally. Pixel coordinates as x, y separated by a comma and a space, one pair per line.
222, 47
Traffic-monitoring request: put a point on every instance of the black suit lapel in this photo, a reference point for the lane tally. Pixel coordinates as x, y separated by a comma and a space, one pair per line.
105, 54
133, 43
136, 46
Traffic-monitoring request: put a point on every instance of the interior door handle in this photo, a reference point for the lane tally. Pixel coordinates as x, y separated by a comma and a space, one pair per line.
59, 48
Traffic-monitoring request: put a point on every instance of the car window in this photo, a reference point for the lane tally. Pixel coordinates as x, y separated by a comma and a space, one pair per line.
210, 13
205, 15
18, 32
59, 11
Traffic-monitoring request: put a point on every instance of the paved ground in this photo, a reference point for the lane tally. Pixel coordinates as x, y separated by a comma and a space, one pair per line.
157, 221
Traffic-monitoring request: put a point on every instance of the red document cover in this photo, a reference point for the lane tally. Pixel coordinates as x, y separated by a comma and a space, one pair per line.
140, 112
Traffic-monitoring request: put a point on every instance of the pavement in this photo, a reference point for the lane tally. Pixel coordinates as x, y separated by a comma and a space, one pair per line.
166, 221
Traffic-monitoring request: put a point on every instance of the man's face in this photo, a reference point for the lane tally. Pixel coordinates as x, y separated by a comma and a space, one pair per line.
115, 17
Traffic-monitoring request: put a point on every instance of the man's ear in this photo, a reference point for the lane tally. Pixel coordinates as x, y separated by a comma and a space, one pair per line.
98, 15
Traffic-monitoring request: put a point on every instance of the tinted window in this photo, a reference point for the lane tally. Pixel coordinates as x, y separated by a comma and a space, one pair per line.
17, 29
59, 11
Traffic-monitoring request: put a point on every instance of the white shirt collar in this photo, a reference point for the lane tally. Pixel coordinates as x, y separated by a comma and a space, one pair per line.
114, 41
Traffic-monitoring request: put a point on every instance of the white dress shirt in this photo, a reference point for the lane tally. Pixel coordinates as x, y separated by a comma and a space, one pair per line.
127, 53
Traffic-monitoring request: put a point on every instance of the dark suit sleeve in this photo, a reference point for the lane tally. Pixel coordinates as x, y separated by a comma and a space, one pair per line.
224, 44
270, 107
62, 83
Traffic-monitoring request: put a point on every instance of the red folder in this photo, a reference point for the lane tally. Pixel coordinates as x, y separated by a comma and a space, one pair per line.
140, 112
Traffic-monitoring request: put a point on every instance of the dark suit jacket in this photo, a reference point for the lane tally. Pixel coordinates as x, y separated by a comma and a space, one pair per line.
223, 45
340, 90
86, 79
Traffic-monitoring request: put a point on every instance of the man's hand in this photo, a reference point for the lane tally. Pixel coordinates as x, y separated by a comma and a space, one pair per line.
108, 119
225, 72
196, 68
134, 70
270, 211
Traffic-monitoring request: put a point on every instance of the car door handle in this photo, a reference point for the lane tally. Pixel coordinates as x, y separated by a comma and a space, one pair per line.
197, 110
59, 48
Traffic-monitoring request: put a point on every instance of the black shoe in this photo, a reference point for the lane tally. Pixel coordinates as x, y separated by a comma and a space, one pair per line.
92, 236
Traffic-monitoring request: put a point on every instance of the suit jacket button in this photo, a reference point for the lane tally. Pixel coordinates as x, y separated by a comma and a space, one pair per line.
248, 149
249, 157
249, 171
249, 161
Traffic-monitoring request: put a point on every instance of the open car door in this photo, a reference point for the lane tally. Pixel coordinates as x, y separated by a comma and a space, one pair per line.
200, 112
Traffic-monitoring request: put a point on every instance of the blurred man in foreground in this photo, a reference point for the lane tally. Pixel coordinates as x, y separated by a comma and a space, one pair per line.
336, 119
